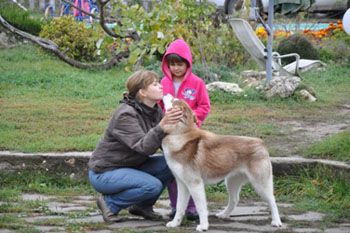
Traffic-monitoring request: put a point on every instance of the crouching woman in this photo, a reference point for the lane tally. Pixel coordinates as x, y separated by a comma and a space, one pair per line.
124, 168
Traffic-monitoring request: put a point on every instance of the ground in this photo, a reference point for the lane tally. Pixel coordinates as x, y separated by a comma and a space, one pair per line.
301, 133
79, 214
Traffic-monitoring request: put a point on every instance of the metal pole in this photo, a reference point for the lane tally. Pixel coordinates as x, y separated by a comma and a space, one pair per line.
269, 41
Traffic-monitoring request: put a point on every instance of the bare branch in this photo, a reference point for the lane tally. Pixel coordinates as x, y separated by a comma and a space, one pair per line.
51, 46
102, 4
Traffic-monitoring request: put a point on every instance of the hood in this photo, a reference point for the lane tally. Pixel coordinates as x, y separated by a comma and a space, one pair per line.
181, 48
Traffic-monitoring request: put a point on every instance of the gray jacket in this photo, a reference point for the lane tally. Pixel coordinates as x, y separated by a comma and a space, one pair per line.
133, 134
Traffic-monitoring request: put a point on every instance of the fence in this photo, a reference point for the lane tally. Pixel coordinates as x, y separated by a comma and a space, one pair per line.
39, 4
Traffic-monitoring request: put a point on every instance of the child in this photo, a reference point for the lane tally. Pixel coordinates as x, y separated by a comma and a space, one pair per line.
181, 83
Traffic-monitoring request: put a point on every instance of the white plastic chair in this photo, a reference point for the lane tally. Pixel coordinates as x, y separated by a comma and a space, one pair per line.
251, 42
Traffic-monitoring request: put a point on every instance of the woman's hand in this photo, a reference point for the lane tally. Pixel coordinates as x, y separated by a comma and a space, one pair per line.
171, 116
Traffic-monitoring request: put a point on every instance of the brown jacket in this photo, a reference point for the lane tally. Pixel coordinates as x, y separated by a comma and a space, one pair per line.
133, 134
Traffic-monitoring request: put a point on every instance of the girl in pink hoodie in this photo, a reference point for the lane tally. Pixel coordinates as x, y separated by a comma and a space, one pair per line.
181, 83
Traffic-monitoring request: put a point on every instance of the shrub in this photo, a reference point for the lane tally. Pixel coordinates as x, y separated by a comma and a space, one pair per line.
19, 18
218, 45
297, 43
72, 37
336, 48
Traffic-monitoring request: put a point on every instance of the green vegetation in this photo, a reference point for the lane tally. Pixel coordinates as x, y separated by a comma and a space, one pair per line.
168, 20
72, 37
318, 190
47, 105
299, 44
19, 18
336, 147
41, 182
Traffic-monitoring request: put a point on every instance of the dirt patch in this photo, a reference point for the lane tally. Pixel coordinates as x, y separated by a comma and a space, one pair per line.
298, 134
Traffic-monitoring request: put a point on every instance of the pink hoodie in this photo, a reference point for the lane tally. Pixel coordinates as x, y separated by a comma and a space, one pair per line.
192, 88
84, 4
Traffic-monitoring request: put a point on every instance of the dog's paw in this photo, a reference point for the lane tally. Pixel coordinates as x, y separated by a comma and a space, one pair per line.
172, 224
202, 227
222, 215
276, 223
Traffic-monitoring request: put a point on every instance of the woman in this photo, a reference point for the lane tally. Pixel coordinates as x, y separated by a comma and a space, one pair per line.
123, 167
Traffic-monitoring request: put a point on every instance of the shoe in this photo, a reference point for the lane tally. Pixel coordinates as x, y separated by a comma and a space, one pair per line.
192, 216
171, 215
107, 215
148, 213
189, 215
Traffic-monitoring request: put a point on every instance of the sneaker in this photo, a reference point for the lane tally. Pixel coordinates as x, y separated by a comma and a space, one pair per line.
192, 216
189, 215
171, 215
107, 215
148, 213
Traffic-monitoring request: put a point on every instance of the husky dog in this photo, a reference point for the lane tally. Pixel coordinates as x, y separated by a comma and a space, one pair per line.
197, 156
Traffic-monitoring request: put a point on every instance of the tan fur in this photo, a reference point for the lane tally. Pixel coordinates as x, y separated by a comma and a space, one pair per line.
215, 155
211, 158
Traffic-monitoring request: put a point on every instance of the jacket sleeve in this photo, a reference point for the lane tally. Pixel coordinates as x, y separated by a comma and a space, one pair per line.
127, 130
202, 108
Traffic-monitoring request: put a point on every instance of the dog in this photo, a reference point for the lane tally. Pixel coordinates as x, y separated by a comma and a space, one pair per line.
197, 157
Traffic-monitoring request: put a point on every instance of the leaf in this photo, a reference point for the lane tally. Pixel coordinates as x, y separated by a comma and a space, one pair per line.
134, 55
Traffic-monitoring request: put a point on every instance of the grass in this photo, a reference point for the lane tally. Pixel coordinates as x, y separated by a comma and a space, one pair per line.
41, 182
336, 147
49, 106
317, 190
46, 105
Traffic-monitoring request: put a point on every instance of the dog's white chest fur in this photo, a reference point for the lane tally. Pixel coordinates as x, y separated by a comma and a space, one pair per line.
174, 142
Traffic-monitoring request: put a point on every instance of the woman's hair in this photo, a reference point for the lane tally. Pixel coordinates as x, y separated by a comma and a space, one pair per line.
140, 80
173, 57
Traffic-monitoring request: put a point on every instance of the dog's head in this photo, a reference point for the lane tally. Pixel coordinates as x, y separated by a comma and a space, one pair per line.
188, 119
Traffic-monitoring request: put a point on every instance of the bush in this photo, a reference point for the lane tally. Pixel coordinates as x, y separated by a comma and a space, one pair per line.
218, 45
297, 44
72, 37
19, 18
336, 48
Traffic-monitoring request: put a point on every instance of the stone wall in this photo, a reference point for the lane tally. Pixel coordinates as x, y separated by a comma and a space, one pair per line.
74, 164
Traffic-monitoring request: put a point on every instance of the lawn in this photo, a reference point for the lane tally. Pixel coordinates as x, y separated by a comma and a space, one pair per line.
46, 105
